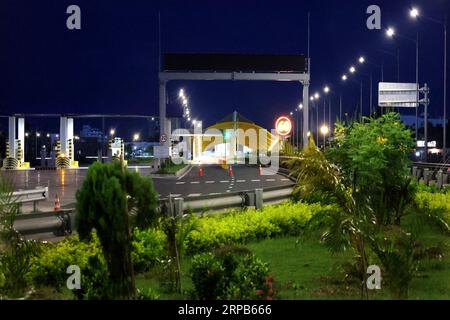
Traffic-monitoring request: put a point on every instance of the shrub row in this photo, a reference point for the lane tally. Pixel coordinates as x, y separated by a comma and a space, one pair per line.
240, 227
214, 231
436, 203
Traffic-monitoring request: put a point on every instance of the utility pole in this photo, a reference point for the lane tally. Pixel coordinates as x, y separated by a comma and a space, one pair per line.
426, 90
444, 123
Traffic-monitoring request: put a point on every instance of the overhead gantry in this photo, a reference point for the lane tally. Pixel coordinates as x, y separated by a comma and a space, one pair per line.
232, 67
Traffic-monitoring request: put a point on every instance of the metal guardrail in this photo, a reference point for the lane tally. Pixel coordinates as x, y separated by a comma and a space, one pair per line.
32, 195
237, 200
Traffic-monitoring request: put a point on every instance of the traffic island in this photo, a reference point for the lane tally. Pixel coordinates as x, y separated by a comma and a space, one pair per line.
172, 171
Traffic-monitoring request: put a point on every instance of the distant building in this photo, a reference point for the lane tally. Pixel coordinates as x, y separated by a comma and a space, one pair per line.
88, 132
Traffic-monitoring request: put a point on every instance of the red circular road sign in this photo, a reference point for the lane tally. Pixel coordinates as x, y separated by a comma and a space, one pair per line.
283, 126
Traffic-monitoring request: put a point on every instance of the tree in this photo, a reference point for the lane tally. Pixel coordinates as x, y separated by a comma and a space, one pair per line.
110, 201
373, 157
365, 173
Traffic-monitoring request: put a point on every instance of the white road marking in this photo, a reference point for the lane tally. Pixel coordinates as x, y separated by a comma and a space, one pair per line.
195, 182
180, 182
210, 181
240, 180
228, 190
214, 193
175, 195
194, 194
270, 179
256, 180
187, 171
224, 181
284, 179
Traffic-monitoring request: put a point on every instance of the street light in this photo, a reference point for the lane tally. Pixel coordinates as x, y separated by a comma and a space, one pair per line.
361, 60
316, 95
390, 32
326, 89
38, 134
181, 93
136, 137
344, 77
414, 13
112, 132
352, 69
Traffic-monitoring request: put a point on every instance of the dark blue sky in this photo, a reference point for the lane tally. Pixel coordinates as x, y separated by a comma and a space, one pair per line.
110, 66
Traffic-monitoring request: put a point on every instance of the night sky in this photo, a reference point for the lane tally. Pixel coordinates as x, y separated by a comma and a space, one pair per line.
111, 64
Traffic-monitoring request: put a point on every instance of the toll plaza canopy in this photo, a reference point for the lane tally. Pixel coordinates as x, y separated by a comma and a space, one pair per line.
240, 132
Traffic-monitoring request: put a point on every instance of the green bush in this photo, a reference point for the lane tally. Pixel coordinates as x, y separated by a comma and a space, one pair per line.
437, 205
240, 227
229, 273
49, 268
148, 248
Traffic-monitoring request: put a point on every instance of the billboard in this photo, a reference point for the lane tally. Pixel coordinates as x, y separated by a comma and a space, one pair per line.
394, 94
234, 63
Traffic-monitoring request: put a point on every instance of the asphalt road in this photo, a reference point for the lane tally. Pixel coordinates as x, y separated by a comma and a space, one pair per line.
215, 180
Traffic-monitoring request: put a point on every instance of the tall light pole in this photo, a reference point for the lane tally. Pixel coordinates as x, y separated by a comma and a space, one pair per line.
352, 70
343, 78
328, 92
324, 130
395, 55
300, 108
362, 60
390, 32
293, 131
414, 13
316, 98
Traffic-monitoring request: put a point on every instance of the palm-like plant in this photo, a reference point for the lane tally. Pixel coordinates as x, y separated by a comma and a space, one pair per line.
15, 253
365, 175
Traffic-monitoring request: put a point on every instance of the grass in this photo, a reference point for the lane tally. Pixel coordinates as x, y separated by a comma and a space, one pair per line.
171, 169
307, 270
